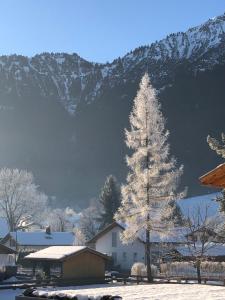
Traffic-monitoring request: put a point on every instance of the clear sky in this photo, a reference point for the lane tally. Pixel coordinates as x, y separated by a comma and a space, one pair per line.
98, 30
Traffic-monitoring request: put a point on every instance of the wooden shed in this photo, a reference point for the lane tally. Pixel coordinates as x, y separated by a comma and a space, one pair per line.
214, 178
74, 262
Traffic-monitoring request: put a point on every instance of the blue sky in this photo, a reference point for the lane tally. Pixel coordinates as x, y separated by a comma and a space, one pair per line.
98, 30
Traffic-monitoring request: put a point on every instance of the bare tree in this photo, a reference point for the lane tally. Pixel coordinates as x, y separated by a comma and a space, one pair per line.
60, 219
89, 221
80, 238
202, 234
20, 200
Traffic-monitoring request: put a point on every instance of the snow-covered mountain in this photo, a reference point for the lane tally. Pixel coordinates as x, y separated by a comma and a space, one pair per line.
63, 117
71, 79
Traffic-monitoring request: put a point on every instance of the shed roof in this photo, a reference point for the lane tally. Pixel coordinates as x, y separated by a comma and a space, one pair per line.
60, 253
214, 178
41, 238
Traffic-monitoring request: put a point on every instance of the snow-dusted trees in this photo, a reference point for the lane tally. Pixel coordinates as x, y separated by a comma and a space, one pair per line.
60, 219
215, 145
110, 199
89, 225
153, 176
172, 213
20, 199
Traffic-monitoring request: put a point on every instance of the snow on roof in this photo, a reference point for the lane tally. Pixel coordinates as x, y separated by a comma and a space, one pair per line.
43, 239
212, 249
3, 227
56, 252
189, 205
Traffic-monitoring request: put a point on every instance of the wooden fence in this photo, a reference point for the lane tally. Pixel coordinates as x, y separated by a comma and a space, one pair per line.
120, 278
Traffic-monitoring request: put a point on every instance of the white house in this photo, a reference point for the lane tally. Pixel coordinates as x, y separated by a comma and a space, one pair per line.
27, 241
124, 255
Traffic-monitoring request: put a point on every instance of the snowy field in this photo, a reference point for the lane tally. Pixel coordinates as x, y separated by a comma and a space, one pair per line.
142, 291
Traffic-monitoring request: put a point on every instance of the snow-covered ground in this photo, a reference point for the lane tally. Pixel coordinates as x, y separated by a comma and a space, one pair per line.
142, 291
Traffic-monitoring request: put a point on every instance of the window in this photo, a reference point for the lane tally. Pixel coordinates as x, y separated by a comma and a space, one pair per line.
135, 256
114, 239
124, 256
114, 258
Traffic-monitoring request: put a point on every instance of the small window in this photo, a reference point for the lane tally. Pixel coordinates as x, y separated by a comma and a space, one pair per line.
114, 239
135, 257
114, 258
124, 256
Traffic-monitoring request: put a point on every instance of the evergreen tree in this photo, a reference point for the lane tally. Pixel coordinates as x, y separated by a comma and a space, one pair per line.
110, 199
153, 176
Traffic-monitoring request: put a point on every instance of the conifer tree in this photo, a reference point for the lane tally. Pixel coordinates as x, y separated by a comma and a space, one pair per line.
153, 176
110, 199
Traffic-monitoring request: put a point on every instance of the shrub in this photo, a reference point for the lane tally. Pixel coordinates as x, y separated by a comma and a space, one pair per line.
139, 269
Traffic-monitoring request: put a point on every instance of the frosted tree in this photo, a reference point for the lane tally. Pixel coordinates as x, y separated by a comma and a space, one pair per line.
20, 201
89, 224
153, 177
215, 145
172, 213
110, 199
80, 238
60, 219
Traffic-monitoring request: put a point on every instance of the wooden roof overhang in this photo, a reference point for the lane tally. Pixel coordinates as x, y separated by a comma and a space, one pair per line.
214, 178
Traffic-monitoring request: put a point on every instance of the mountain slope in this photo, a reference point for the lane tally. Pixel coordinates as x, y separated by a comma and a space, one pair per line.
63, 117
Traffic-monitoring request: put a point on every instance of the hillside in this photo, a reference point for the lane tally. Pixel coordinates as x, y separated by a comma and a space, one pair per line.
63, 117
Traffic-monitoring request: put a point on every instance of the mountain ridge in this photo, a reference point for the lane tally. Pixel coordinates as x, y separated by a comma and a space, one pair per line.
63, 117
72, 79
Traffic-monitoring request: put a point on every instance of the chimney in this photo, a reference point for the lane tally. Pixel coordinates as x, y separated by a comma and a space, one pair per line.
48, 230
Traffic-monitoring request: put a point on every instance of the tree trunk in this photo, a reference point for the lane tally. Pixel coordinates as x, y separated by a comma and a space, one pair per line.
198, 265
148, 257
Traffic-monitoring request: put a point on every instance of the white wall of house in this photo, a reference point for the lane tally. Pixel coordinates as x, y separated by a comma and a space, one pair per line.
7, 260
124, 255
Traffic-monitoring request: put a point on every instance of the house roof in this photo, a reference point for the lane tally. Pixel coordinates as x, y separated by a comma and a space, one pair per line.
61, 253
104, 231
212, 249
214, 178
190, 206
41, 238
174, 236
6, 250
